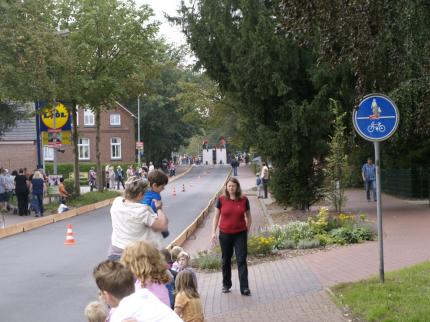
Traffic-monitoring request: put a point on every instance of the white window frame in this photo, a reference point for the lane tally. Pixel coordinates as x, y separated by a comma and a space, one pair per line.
118, 147
81, 146
113, 117
89, 118
48, 153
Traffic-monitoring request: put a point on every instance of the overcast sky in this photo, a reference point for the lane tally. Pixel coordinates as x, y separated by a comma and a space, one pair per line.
171, 33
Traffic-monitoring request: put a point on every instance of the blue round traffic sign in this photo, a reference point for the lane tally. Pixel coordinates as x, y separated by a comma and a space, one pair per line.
376, 118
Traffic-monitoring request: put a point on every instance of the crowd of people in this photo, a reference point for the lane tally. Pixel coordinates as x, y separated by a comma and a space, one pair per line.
28, 188
140, 281
115, 177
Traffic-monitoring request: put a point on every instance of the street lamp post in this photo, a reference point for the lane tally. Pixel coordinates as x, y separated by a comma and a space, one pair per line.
138, 130
54, 134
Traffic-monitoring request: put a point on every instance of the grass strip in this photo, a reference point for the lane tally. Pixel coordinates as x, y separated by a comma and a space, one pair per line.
405, 296
84, 199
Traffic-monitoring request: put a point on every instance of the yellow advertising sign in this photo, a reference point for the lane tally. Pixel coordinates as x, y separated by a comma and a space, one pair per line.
57, 138
61, 116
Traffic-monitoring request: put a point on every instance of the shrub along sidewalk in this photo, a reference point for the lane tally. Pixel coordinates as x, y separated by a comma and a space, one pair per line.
405, 296
317, 232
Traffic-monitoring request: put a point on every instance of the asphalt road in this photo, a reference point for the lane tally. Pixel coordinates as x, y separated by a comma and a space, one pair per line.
42, 280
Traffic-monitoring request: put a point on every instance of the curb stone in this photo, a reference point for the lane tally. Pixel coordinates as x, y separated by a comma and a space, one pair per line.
50, 219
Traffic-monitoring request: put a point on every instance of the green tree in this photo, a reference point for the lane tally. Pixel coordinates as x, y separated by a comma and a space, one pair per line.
112, 42
270, 79
386, 46
336, 163
165, 124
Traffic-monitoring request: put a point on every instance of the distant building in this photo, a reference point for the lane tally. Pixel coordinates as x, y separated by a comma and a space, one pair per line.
214, 154
117, 140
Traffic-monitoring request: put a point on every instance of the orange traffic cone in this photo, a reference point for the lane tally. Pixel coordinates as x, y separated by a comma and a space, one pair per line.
70, 240
183, 188
174, 192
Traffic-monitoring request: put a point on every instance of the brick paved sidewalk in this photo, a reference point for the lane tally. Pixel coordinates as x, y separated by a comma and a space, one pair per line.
285, 290
294, 289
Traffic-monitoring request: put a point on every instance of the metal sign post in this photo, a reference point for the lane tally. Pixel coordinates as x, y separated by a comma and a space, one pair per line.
375, 120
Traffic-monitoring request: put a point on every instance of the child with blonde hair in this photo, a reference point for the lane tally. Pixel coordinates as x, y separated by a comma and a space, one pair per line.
96, 311
176, 250
149, 267
183, 263
187, 300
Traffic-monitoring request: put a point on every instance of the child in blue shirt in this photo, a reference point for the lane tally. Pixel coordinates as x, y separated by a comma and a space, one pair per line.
157, 181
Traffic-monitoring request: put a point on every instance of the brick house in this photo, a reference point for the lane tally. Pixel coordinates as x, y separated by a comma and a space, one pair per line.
117, 140
18, 147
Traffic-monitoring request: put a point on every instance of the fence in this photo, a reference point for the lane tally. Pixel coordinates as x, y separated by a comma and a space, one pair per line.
407, 183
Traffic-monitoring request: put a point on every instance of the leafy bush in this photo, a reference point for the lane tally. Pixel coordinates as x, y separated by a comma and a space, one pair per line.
297, 230
69, 185
361, 233
207, 260
320, 223
325, 239
287, 244
343, 236
306, 243
348, 235
259, 245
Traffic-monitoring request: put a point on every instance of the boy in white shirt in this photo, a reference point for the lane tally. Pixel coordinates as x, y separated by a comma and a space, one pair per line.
116, 284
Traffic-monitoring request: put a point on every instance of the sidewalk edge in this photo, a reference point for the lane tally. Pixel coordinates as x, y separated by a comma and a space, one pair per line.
50, 219
182, 237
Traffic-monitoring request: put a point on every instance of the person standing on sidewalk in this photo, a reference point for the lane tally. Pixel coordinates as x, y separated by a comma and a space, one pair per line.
21, 189
92, 178
264, 175
368, 173
37, 188
234, 165
233, 216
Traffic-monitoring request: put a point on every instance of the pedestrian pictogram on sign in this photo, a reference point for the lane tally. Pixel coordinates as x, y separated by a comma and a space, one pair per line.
376, 118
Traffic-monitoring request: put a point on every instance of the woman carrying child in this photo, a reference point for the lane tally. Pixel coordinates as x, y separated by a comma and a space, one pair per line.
187, 300
133, 221
149, 267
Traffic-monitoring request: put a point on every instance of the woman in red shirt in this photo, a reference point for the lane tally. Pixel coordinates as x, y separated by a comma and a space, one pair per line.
233, 216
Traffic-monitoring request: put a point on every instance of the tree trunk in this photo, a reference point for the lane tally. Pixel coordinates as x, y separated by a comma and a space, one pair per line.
75, 150
100, 173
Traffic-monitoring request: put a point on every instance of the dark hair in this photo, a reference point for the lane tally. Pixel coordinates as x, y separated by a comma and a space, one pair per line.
115, 278
21, 170
14, 173
238, 191
167, 256
158, 177
61, 179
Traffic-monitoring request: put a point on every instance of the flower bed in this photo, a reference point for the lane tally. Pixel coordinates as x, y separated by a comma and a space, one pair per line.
321, 230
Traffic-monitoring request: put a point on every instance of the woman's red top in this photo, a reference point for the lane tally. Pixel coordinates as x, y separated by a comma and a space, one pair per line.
232, 214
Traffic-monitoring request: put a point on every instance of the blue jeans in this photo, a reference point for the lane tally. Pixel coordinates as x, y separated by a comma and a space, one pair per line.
37, 203
370, 185
235, 171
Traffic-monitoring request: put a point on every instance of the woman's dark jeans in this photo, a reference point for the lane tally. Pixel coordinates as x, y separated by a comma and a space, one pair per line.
238, 243
38, 203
